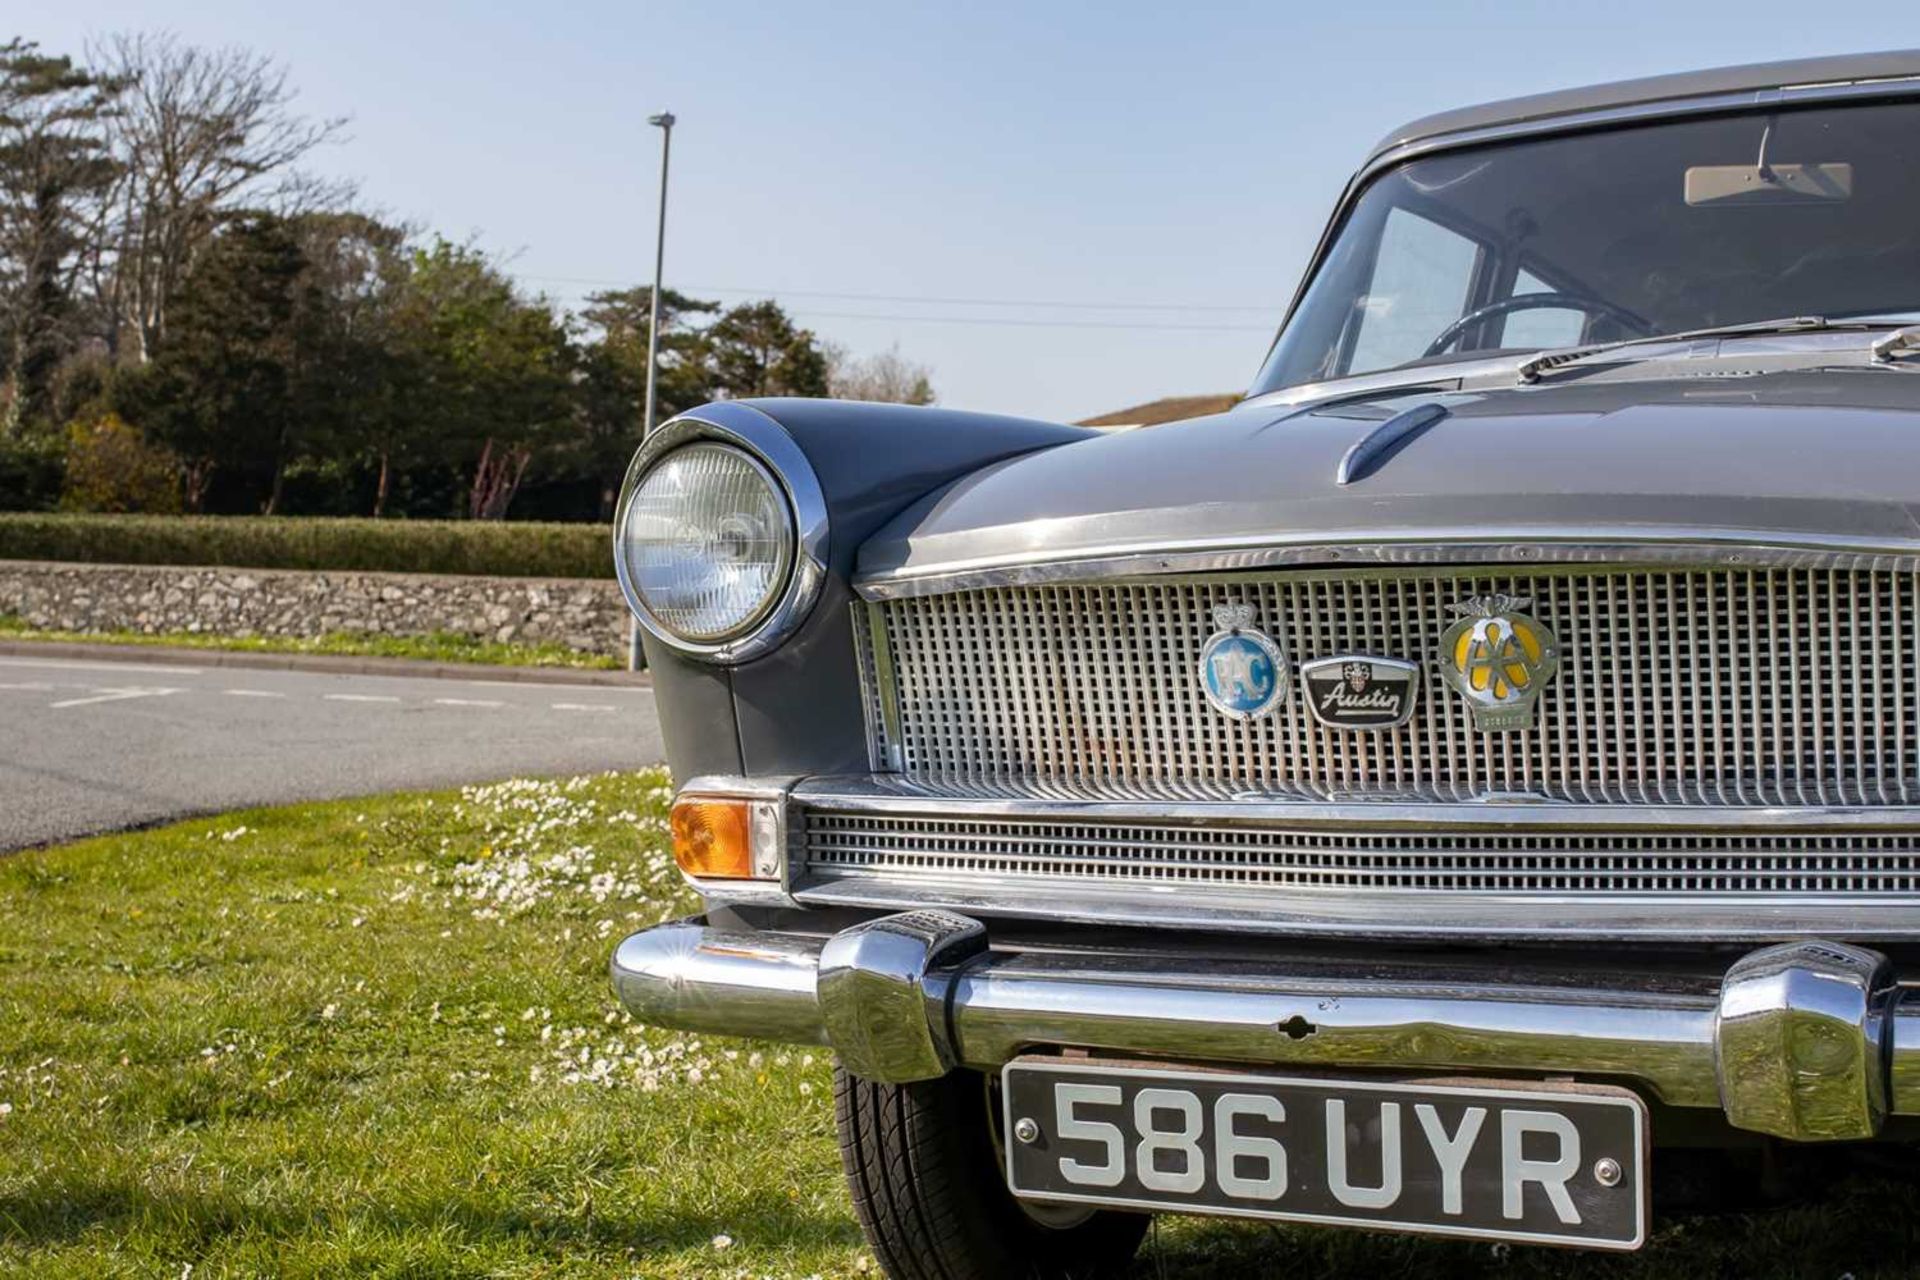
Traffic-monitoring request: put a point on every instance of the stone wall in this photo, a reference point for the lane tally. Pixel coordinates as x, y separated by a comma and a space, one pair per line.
585, 615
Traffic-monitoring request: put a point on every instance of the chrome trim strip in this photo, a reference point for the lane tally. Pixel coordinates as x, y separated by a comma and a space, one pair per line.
883, 795
885, 736
1504, 547
1407, 915
747, 428
863, 660
761, 787
1465, 374
1664, 1032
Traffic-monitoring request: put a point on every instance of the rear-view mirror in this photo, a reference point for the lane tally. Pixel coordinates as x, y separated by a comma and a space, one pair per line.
1769, 184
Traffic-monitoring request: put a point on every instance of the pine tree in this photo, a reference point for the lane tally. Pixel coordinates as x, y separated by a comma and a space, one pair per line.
56, 176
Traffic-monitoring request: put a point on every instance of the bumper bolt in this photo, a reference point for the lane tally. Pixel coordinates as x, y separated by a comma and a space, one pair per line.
1026, 1130
1606, 1171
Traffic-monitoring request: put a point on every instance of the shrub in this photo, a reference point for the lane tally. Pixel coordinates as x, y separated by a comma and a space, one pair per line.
501, 548
112, 467
32, 464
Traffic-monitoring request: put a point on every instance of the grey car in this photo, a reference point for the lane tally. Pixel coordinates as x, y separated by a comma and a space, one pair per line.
1475, 772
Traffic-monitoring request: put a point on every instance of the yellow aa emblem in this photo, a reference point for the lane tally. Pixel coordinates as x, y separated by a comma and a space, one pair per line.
1499, 658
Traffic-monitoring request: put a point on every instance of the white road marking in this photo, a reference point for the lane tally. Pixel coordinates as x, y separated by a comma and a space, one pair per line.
605, 690
252, 693
584, 706
110, 695
357, 697
68, 665
466, 702
35, 686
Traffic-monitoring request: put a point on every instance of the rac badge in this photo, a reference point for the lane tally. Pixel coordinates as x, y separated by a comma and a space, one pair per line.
1243, 671
1500, 660
1360, 692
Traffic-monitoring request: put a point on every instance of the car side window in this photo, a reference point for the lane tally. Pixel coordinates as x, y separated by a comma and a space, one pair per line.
1546, 327
1420, 284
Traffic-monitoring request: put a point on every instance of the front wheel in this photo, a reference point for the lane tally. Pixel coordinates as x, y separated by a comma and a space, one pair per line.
922, 1161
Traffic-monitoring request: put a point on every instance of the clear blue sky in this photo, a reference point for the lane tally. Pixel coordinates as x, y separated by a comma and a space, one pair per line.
1119, 153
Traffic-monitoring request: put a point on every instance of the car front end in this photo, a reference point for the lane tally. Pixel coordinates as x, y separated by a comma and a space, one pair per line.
1481, 761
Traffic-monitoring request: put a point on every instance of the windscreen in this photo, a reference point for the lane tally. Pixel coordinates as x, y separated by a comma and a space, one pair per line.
1621, 233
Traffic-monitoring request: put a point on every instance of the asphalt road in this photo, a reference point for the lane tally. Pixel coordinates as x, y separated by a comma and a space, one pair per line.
87, 747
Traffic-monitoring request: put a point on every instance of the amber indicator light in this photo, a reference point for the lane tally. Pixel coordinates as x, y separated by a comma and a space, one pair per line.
711, 838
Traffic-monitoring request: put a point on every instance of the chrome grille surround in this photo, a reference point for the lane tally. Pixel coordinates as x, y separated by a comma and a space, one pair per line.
1731, 686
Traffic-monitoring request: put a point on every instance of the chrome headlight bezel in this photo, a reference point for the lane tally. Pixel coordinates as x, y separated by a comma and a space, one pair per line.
767, 443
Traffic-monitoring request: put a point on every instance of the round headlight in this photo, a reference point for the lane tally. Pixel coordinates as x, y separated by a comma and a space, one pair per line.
708, 541
720, 538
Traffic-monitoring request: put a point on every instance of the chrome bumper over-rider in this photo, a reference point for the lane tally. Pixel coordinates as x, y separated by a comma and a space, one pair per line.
1806, 1040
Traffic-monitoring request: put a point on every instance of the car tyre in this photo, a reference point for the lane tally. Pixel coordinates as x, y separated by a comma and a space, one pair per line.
927, 1187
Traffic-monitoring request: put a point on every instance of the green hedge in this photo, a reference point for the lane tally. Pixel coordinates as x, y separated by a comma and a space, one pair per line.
520, 550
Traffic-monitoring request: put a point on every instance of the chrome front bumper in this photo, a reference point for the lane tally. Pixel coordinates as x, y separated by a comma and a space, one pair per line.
1807, 1040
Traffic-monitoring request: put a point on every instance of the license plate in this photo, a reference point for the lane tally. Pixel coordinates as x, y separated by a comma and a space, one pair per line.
1540, 1163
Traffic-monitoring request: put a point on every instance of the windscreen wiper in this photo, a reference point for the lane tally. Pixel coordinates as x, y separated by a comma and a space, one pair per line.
1547, 361
1901, 342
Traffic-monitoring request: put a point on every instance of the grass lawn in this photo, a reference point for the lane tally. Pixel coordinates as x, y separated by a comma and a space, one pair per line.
375, 1039
440, 646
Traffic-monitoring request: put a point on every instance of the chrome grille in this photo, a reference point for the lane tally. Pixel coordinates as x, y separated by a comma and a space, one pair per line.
901, 848
1715, 686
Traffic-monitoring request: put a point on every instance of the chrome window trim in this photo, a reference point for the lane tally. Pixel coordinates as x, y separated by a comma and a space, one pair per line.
765, 440
1572, 122
1642, 113
1493, 546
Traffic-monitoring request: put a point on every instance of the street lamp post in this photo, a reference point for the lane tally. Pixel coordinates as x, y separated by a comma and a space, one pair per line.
664, 122
636, 657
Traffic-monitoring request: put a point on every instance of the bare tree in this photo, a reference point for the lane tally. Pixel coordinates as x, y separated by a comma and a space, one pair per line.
198, 131
887, 376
